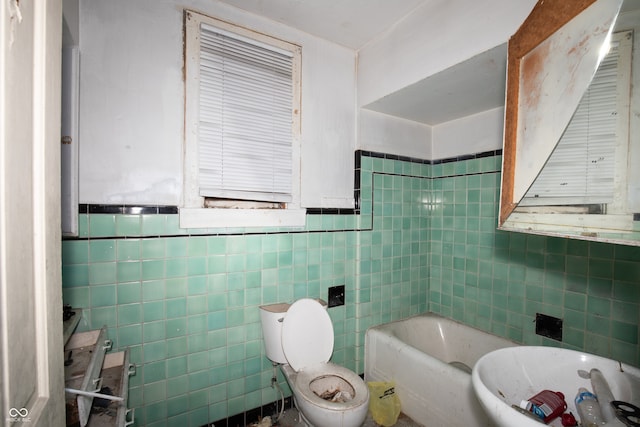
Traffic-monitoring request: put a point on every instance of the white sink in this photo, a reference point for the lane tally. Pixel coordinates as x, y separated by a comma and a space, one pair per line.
507, 376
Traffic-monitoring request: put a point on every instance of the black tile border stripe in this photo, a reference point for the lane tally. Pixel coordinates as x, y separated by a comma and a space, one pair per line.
387, 156
254, 415
127, 209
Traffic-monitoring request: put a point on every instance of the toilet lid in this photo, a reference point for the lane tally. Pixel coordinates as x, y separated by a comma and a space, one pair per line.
307, 334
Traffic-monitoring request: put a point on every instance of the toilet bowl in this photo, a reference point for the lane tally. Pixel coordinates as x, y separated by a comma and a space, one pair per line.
299, 337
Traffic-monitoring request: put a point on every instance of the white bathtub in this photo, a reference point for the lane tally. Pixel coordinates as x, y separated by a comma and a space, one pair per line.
430, 359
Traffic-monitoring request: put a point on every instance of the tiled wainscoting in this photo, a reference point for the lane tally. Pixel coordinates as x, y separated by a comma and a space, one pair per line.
422, 238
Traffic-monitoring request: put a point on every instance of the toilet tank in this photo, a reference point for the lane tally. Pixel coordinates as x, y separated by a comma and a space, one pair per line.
271, 319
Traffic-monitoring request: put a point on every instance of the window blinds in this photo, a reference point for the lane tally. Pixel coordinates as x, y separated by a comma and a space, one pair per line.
245, 118
581, 169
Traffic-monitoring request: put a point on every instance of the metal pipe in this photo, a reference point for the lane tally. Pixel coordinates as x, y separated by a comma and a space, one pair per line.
93, 394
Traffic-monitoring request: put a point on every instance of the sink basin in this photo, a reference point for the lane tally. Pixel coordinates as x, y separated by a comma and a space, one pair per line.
509, 375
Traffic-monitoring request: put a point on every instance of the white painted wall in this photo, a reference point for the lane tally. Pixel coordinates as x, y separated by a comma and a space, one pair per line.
131, 102
388, 134
469, 135
131, 107
434, 37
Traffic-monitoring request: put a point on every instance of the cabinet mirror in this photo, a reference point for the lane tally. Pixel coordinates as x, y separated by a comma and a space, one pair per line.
571, 159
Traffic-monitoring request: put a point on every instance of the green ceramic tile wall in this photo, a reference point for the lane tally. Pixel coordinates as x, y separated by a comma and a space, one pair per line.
187, 305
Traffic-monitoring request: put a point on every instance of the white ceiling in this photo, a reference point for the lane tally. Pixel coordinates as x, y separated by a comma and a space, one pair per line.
350, 23
472, 86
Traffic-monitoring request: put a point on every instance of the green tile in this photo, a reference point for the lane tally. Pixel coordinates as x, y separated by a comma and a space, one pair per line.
176, 385
172, 225
198, 361
176, 327
237, 281
555, 262
601, 250
75, 252
556, 245
575, 301
129, 335
624, 311
129, 314
153, 248
153, 310
601, 268
597, 324
176, 267
573, 337
177, 366
217, 264
153, 351
102, 225
176, 307
102, 273
155, 392
154, 331
599, 306
216, 245
199, 399
198, 381
154, 411
128, 292
155, 371
577, 247
197, 247
625, 332
128, 250
176, 287
128, 271
128, 225
153, 225
627, 253
103, 316
103, 295
83, 225
197, 266
75, 275
627, 271
177, 405
153, 269
153, 290
196, 305
176, 247
178, 344
197, 324
76, 297
600, 287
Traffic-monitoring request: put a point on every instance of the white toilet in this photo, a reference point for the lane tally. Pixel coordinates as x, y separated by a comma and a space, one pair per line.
299, 336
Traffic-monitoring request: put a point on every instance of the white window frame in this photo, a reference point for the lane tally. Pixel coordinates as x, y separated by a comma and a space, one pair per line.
193, 211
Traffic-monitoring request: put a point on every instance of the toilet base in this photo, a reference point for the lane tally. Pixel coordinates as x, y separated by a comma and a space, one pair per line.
302, 420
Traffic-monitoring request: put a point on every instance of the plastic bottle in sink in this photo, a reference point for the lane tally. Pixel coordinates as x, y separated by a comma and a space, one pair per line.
588, 409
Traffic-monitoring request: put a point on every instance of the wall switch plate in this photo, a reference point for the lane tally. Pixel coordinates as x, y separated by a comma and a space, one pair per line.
336, 296
549, 326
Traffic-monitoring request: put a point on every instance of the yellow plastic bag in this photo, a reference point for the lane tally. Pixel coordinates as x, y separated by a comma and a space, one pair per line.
384, 404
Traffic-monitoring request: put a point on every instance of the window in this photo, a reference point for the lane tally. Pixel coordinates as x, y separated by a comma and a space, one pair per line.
242, 127
598, 136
